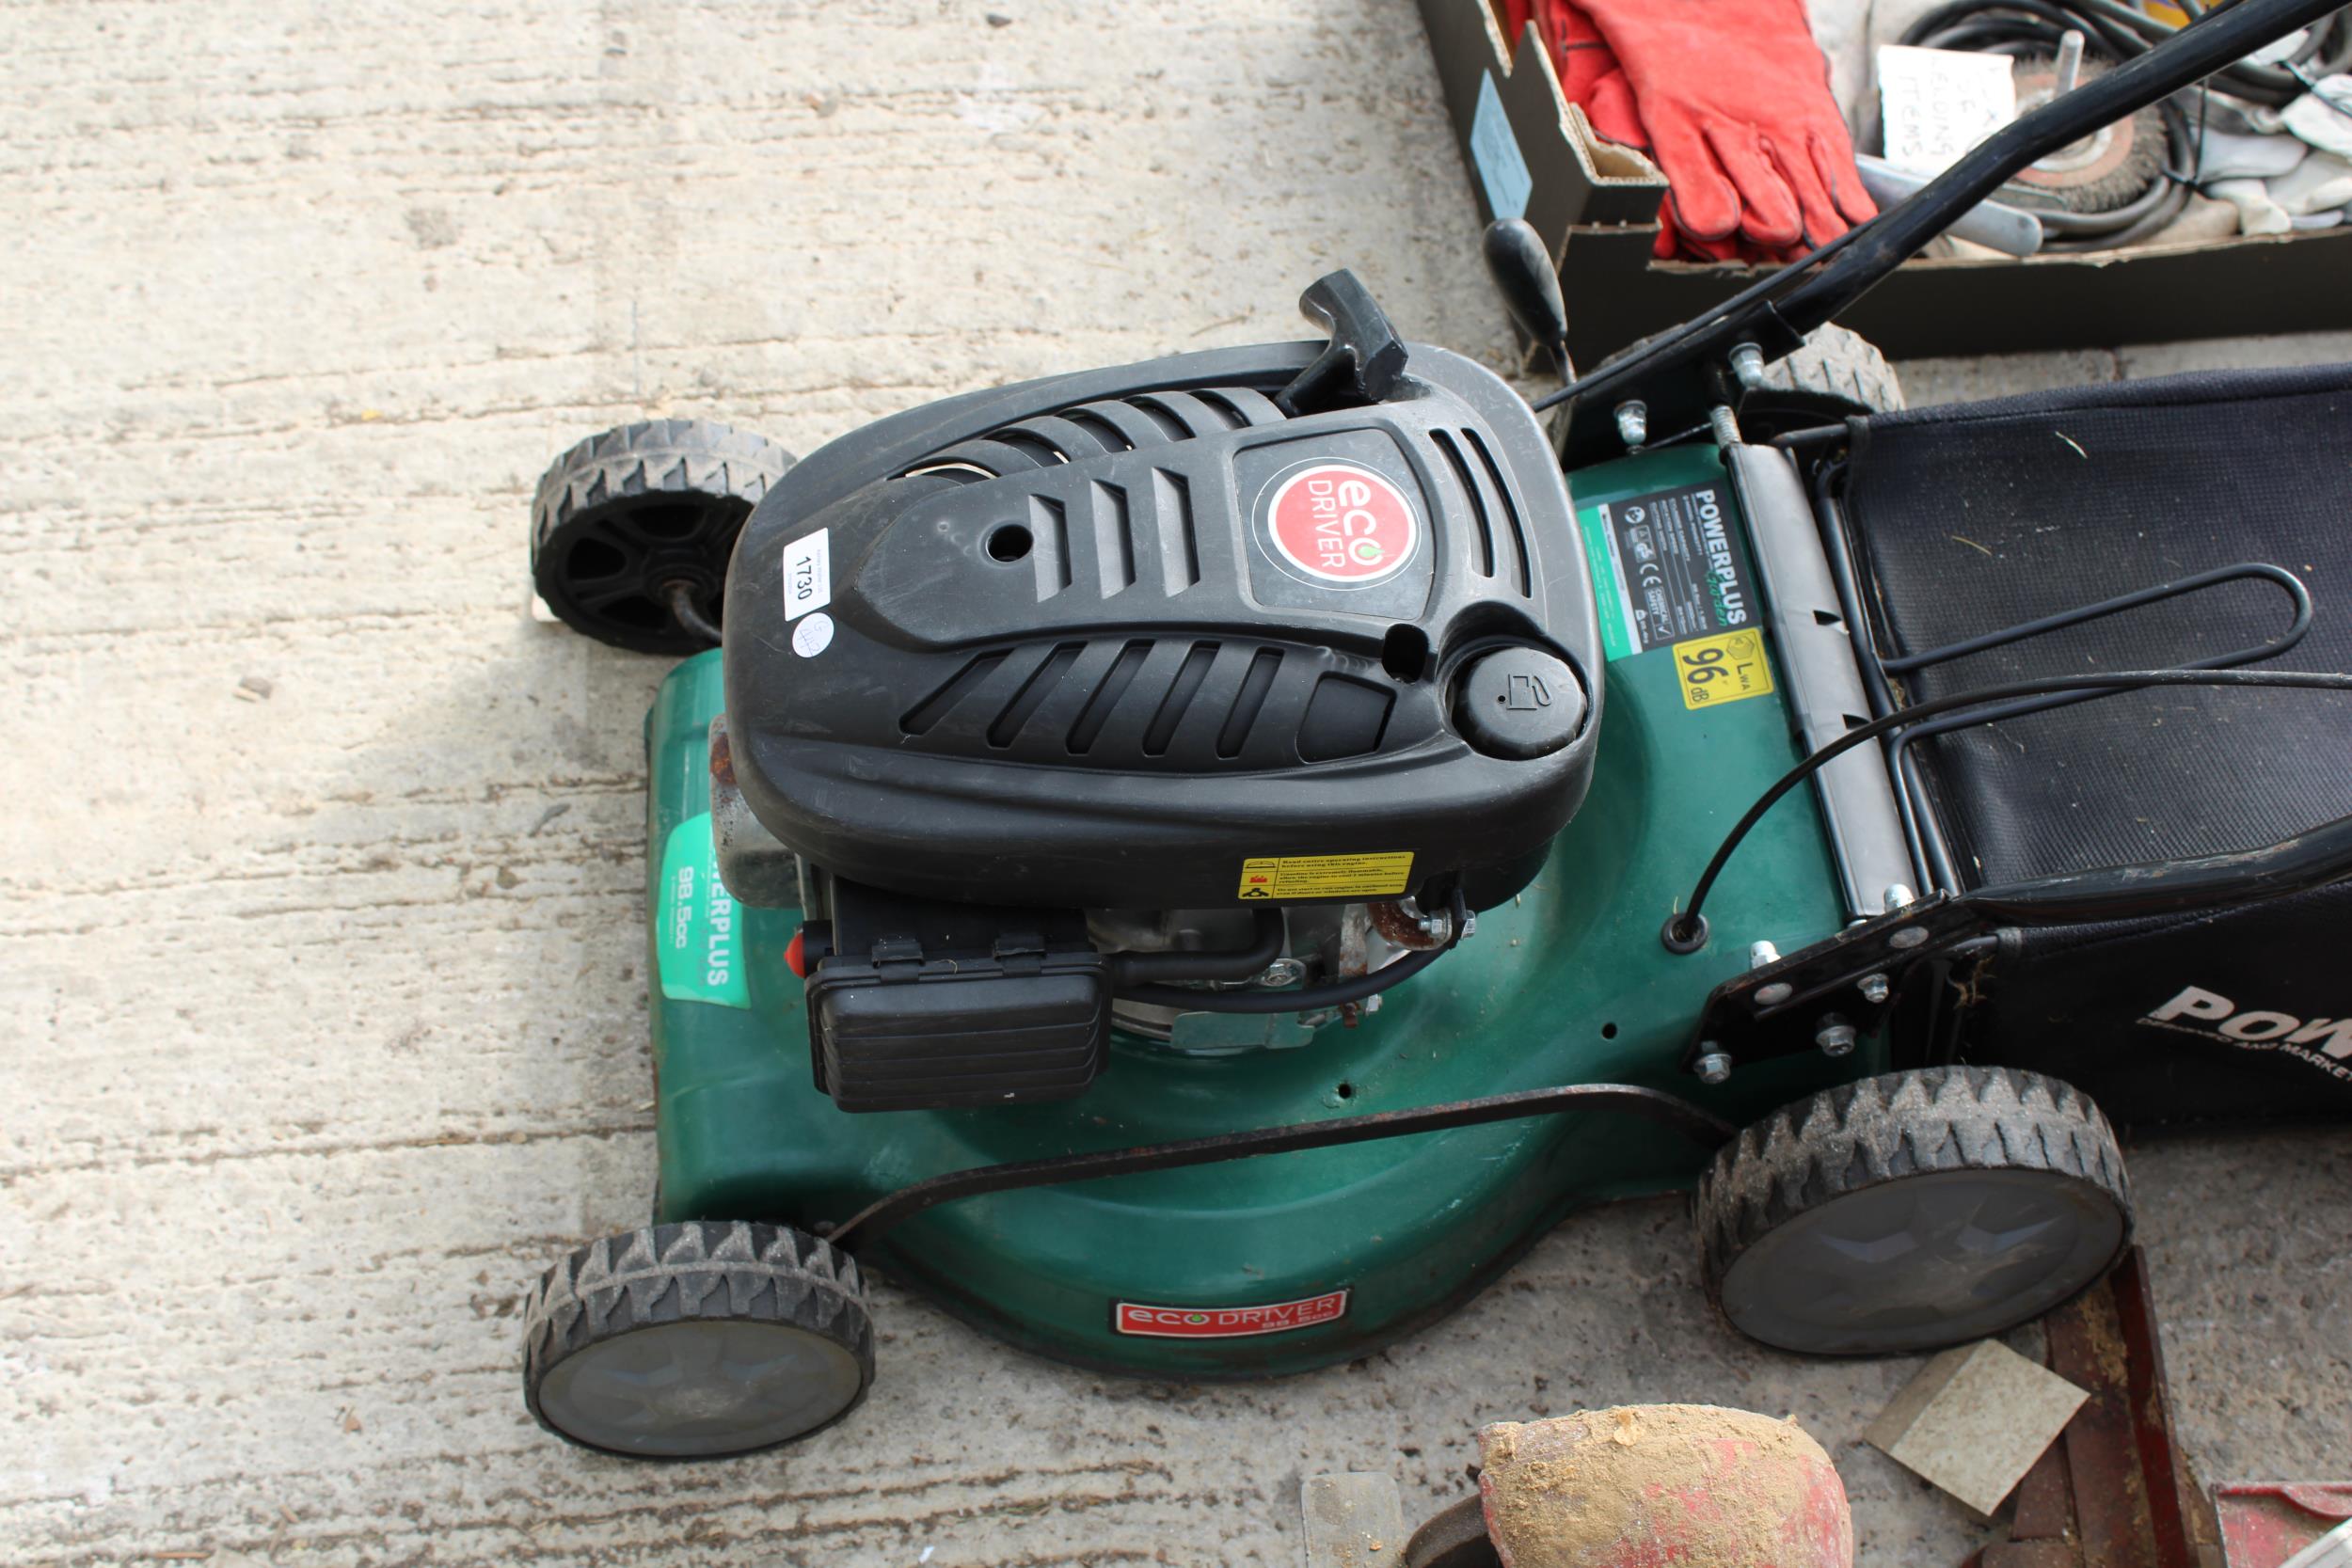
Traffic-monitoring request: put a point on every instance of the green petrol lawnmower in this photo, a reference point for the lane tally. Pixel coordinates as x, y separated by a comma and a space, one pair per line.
1195, 866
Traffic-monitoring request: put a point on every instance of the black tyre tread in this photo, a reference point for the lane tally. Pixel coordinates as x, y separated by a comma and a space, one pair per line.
1840, 367
1895, 1125
707, 1269
678, 455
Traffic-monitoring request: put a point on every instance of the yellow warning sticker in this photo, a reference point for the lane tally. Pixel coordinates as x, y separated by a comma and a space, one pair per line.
1382, 876
1721, 669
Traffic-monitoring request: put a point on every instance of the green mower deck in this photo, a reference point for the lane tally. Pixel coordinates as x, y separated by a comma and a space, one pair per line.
1350, 1246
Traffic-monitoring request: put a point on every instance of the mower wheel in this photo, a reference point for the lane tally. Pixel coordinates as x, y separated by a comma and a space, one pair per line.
1836, 374
697, 1341
1913, 1210
630, 531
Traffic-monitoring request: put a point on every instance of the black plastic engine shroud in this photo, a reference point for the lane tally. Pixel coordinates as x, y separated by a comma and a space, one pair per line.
1037, 644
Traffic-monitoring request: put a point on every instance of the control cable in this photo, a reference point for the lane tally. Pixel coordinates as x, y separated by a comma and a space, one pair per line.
1685, 930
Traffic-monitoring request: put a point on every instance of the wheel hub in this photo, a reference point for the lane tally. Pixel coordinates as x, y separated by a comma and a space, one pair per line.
699, 1387
1958, 1253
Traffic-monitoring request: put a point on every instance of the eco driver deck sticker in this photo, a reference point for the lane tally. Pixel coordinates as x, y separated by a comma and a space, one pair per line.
1666, 570
698, 938
1228, 1323
1376, 876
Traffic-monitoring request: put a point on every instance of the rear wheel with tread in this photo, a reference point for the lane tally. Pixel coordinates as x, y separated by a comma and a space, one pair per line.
632, 530
1913, 1210
697, 1341
1835, 376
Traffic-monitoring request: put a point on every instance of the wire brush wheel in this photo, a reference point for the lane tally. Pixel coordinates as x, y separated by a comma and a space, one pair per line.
2107, 169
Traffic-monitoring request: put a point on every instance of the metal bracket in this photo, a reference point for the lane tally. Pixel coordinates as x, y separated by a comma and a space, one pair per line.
754, 863
1849, 981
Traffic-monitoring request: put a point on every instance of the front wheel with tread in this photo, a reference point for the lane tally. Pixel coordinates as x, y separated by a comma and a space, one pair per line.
697, 1341
1913, 1210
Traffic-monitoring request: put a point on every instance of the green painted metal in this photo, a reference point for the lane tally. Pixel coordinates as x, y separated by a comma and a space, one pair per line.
1569, 984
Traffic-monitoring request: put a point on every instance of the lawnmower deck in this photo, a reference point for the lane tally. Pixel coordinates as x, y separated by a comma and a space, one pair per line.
1356, 1245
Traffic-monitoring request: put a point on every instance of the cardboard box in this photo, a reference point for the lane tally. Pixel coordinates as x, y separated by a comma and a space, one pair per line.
1531, 154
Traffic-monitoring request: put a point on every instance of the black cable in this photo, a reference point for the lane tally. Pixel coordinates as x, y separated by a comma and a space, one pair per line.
2185, 57
1302, 1000
2111, 30
1806, 294
680, 598
1686, 923
1137, 969
1811, 436
1619, 370
1305, 998
2035, 26
2311, 87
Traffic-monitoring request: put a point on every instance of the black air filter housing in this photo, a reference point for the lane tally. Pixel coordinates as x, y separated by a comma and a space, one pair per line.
1102, 638
914, 1004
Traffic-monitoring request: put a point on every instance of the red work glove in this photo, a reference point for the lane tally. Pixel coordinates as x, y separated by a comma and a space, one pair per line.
1591, 78
1734, 97
1514, 15
1579, 54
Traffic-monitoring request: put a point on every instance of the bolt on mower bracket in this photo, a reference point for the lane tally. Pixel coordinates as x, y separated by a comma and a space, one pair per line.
1849, 982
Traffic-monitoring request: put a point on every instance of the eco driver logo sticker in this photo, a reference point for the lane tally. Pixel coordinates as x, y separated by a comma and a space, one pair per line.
1339, 524
1228, 1323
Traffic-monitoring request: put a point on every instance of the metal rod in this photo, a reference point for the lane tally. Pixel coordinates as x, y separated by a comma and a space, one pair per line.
2297, 594
1922, 835
1921, 831
2297, 865
1905, 762
1688, 920
2070, 61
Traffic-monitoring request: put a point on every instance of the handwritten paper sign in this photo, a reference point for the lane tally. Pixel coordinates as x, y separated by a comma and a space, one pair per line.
1937, 103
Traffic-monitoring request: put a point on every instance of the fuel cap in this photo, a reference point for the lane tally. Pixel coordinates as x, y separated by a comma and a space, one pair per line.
1519, 703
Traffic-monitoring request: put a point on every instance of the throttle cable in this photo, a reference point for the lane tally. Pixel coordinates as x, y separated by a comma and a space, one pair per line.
1685, 930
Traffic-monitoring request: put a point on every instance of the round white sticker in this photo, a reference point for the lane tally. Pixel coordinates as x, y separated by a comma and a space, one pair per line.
813, 635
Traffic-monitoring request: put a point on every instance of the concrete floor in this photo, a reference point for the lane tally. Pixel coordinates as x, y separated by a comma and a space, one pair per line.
321, 999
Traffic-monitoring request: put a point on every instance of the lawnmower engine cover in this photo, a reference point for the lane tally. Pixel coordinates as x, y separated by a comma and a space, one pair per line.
1029, 685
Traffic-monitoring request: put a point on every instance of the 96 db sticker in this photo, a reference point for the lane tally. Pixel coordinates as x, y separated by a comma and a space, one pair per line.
1228, 1323
1713, 671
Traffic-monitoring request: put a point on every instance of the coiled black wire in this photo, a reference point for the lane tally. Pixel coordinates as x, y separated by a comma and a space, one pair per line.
2111, 31
2114, 32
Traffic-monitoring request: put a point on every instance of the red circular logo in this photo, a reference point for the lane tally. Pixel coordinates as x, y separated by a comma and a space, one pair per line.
1338, 522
